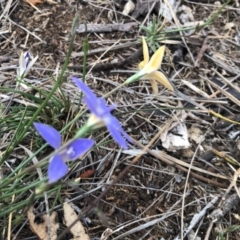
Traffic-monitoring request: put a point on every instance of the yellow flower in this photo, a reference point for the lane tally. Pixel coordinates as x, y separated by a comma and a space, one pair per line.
149, 69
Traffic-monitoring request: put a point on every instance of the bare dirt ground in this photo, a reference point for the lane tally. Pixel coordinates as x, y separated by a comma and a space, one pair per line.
169, 185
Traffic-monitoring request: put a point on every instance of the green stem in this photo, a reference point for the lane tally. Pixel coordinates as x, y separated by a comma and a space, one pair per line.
82, 131
20, 205
19, 190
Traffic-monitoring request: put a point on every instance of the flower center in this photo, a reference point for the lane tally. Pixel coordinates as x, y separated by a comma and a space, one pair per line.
70, 152
95, 121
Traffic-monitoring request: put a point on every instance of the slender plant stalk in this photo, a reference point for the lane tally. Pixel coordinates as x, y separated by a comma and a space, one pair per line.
85, 51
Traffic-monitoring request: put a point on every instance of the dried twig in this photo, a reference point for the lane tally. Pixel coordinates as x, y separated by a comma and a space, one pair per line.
99, 28
198, 216
201, 52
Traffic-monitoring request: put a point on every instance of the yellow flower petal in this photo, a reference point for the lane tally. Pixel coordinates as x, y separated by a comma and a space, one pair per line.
145, 51
145, 54
154, 86
155, 61
141, 65
160, 77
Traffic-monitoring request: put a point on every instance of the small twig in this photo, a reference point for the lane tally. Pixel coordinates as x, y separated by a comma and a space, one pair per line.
178, 25
112, 48
227, 81
6, 9
224, 92
198, 216
185, 190
208, 231
29, 32
201, 52
148, 13
109, 66
226, 204
222, 64
99, 28
188, 99
235, 177
162, 157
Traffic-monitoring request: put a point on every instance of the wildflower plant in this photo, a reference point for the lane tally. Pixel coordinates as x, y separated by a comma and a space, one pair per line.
57, 167
153, 33
149, 69
101, 114
26, 62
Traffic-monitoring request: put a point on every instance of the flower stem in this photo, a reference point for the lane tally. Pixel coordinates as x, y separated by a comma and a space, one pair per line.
82, 131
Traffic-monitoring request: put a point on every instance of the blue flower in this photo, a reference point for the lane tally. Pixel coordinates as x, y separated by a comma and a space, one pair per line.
57, 167
101, 114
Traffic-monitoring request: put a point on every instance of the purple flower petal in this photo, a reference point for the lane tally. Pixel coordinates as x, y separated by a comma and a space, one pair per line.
57, 169
27, 57
84, 88
49, 134
77, 148
91, 105
99, 108
116, 131
102, 112
116, 135
103, 108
